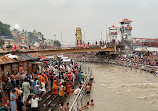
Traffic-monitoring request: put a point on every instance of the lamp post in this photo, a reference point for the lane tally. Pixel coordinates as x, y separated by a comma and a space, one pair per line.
61, 38
55, 37
101, 36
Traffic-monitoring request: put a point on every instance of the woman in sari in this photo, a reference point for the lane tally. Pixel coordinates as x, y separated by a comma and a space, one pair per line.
13, 100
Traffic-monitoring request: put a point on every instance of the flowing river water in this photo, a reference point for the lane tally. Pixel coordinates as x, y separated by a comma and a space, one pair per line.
117, 88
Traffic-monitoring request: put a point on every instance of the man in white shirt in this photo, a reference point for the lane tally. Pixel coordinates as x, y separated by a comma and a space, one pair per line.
77, 90
26, 89
34, 103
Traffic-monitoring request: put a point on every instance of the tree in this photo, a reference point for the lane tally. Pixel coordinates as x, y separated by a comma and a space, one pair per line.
4, 30
57, 43
35, 37
1, 42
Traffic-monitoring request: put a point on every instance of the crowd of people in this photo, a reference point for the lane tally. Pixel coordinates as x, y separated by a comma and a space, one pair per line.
25, 90
141, 57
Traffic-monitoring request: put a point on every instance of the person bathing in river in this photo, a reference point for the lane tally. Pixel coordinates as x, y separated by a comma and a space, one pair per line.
88, 89
84, 107
92, 103
67, 107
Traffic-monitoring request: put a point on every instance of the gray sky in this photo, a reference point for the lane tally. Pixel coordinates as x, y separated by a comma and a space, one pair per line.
93, 16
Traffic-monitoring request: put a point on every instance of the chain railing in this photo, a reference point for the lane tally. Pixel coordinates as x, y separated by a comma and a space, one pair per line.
147, 68
77, 103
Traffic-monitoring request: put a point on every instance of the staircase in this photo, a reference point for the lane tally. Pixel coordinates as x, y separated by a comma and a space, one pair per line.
50, 101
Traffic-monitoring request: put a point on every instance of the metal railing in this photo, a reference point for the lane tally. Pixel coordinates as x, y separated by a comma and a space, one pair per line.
77, 103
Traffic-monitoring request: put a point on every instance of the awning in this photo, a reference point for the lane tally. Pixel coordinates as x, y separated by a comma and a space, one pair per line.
36, 62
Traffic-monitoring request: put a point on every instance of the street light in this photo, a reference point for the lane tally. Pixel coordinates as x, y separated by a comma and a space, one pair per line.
55, 37
61, 38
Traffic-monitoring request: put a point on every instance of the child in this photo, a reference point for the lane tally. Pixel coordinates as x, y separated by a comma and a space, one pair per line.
7, 105
92, 103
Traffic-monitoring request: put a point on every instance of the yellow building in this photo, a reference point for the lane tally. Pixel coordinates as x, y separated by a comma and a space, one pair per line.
78, 36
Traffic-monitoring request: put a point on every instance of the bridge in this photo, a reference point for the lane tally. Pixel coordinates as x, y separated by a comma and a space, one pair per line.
145, 42
64, 50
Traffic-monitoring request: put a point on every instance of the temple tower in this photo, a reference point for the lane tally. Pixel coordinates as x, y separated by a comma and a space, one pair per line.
78, 36
113, 33
126, 29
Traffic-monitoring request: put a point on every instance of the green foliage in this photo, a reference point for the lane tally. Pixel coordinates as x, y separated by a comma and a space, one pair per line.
32, 38
4, 30
1, 42
57, 43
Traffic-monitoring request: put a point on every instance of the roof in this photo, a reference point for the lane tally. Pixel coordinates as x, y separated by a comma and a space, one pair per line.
35, 54
5, 59
126, 20
26, 57
113, 26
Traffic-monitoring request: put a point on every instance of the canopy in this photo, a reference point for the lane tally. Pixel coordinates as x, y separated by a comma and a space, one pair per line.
36, 62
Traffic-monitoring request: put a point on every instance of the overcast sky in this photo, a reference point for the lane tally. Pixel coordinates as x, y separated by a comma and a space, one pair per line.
93, 16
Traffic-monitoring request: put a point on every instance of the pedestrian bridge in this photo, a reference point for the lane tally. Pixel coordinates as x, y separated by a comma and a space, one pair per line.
63, 50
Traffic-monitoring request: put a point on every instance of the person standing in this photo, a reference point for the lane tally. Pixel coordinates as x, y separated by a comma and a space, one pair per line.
19, 104
17, 78
55, 88
51, 77
42, 81
1, 91
77, 90
88, 89
61, 90
9, 88
45, 79
68, 89
12, 77
36, 89
34, 103
13, 100
26, 89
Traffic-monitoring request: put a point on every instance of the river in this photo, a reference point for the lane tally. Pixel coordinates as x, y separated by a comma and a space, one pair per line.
117, 88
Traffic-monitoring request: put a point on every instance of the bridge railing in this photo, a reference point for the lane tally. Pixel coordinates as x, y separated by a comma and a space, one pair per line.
147, 68
77, 103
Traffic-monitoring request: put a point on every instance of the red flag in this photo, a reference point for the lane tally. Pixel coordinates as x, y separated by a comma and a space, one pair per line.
15, 46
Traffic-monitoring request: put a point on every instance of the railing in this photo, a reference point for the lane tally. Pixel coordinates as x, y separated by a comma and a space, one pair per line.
147, 68
58, 48
77, 103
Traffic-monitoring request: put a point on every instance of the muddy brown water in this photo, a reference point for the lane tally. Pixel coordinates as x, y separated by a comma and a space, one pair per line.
117, 88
